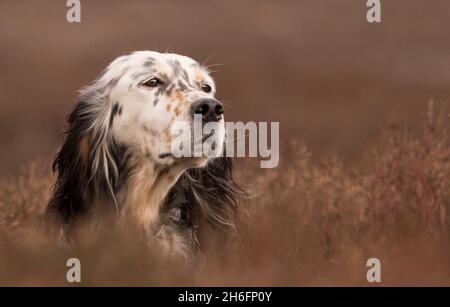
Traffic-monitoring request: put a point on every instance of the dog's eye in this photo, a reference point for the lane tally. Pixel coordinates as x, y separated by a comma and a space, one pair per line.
153, 82
206, 88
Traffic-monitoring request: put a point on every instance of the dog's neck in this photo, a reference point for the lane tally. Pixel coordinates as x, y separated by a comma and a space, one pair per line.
145, 190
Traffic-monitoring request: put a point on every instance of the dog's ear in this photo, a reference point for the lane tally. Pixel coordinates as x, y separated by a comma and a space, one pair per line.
86, 163
70, 194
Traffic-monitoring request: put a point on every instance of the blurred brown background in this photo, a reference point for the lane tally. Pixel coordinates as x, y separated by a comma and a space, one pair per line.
318, 67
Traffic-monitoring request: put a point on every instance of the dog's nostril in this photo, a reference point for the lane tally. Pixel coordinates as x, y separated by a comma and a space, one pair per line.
219, 109
210, 109
202, 109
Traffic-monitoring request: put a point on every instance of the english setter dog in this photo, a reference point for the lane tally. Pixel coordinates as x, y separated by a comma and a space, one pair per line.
116, 155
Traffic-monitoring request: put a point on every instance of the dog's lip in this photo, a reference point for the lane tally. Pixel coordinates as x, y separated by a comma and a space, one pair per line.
165, 155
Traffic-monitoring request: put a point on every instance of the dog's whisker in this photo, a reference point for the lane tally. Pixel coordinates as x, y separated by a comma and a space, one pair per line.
237, 138
207, 59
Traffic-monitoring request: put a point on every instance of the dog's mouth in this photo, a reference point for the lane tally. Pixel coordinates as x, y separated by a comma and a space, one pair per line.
165, 155
205, 137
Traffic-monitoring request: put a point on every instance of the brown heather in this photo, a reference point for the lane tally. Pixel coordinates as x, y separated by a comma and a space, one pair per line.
310, 221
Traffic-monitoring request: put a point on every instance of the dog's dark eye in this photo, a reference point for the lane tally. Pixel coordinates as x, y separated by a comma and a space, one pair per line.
206, 88
153, 82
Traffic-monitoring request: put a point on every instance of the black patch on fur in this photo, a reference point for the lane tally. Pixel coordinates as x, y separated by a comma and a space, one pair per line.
182, 86
114, 112
113, 82
76, 186
165, 88
150, 62
215, 187
176, 68
169, 89
186, 76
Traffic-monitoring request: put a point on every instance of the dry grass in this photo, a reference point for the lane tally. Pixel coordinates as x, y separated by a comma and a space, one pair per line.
310, 222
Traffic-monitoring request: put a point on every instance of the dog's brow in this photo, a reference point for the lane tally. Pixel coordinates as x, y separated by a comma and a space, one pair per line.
139, 75
147, 73
178, 70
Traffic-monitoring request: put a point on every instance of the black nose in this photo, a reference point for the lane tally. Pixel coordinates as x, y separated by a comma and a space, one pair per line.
210, 109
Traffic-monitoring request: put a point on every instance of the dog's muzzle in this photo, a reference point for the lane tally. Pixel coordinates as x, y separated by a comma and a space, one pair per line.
210, 109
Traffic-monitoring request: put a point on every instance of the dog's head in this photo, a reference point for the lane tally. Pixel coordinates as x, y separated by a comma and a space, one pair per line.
147, 95
128, 117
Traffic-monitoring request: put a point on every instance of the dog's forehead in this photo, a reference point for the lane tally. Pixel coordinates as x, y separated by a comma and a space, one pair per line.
169, 64
168, 61
173, 65
135, 68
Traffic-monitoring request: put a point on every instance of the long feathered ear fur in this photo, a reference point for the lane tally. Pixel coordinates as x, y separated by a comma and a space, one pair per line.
86, 165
